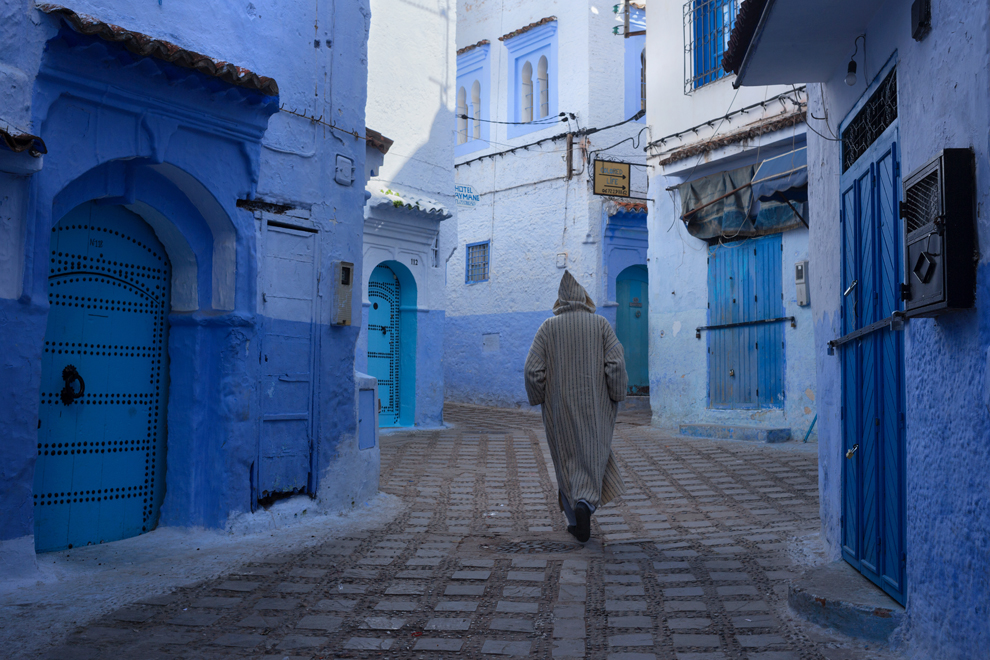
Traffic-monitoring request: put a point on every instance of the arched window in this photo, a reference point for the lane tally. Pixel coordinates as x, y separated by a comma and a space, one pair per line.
476, 110
527, 93
462, 110
544, 78
642, 80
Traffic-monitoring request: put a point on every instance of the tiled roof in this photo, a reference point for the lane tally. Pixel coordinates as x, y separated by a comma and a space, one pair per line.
747, 20
483, 42
17, 141
377, 140
632, 207
142, 44
388, 198
776, 123
516, 33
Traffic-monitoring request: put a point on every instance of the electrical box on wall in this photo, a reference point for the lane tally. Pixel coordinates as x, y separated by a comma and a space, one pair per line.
344, 172
801, 283
343, 292
940, 235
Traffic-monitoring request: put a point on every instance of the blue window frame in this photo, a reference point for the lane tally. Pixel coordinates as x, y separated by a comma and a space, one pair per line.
477, 259
532, 80
473, 84
707, 27
634, 66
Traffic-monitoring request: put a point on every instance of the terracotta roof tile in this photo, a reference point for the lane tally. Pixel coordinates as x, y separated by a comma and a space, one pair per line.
516, 33
769, 125
144, 45
18, 141
483, 42
633, 207
747, 20
377, 140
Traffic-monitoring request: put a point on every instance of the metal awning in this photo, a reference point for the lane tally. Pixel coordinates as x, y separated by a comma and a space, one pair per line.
781, 179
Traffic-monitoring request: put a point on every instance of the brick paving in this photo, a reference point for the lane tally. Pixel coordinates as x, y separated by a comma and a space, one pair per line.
691, 564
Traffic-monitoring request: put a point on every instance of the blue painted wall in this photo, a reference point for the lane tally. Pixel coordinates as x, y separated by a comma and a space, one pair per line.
180, 148
943, 88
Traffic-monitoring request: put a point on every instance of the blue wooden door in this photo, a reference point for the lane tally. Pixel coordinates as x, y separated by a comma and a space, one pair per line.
873, 369
746, 363
632, 325
383, 341
100, 472
288, 299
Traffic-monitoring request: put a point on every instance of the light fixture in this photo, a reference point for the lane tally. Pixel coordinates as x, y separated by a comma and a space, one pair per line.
851, 73
851, 68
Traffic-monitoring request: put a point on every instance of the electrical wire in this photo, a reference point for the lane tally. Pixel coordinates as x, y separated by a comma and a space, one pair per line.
548, 121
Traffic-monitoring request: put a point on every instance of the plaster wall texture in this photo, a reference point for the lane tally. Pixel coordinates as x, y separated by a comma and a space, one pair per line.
533, 215
942, 102
410, 100
182, 167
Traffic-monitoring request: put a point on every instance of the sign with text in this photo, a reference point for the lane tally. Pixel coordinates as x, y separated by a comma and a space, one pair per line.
466, 196
612, 178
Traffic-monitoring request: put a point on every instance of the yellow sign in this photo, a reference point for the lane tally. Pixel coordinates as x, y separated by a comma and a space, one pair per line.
611, 178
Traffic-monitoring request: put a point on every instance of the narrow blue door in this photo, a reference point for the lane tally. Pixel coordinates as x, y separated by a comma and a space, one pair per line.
632, 325
746, 363
100, 472
383, 341
873, 369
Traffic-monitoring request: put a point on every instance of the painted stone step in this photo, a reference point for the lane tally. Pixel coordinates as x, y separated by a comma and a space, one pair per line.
723, 432
635, 402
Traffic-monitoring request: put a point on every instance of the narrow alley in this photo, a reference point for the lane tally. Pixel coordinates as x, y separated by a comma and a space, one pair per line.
691, 564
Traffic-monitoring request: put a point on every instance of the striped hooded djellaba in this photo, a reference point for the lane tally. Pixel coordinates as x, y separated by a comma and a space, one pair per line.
577, 371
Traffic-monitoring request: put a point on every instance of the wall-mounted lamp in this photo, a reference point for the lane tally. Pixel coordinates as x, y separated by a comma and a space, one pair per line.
851, 69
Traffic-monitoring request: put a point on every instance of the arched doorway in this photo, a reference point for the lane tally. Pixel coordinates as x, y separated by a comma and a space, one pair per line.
392, 341
632, 325
100, 471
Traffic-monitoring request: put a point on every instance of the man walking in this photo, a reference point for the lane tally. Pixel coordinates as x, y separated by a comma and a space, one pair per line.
576, 369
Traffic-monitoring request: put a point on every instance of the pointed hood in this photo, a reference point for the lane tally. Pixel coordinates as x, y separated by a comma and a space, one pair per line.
571, 296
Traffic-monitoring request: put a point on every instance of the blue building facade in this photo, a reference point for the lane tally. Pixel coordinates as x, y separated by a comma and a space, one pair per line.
904, 407
171, 246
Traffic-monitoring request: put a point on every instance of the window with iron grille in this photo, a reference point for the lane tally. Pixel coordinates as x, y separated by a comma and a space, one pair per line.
879, 112
707, 27
435, 252
477, 262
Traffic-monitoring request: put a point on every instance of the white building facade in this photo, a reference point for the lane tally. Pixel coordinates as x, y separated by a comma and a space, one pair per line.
526, 148
730, 326
408, 230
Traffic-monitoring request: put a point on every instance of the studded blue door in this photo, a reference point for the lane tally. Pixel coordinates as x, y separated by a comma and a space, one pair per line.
873, 369
746, 363
100, 473
383, 341
631, 325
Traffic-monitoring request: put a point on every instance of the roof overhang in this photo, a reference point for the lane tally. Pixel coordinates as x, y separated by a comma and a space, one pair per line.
802, 41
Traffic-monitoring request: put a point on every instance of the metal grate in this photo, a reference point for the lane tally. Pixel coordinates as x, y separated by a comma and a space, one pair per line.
923, 203
869, 124
707, 27
477, 262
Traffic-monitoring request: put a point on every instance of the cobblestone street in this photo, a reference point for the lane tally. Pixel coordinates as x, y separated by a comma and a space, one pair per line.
691, 564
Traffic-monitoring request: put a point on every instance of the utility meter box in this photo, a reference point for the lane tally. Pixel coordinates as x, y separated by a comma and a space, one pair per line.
939, 215
343, 293
801, 283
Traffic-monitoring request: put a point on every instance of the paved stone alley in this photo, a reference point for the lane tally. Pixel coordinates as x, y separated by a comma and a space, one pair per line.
691, 564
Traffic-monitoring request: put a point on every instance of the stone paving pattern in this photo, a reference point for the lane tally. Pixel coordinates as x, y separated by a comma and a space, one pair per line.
689, 565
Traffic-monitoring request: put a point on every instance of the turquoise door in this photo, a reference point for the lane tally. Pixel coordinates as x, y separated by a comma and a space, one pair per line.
383, 341
100, 472
632, 325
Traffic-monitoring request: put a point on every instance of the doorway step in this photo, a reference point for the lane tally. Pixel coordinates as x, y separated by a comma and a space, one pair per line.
724, 432
635, 402
837, 596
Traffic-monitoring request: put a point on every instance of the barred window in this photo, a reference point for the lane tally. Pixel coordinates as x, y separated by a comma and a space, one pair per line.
477, 262
707, 27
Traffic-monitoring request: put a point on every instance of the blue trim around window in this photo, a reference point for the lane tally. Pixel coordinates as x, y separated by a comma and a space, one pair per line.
529, 46
633, 63
473, 66
485, 268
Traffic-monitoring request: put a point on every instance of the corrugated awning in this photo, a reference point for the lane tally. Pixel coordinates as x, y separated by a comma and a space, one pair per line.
784, 177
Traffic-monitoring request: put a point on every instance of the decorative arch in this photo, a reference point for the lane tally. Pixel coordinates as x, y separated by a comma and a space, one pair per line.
543, 76
407, 328
526, 97
476, 110
462, 113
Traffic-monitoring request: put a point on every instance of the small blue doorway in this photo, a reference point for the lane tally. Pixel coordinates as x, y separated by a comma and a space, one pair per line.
632, 325
100, 471
384, 360
746, 360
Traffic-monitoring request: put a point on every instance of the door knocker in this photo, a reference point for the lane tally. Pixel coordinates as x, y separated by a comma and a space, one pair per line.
69, 395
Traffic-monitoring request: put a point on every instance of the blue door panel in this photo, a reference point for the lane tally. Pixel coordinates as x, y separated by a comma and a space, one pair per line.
101, 458
746, 363
872, 370
631, 325
384, 360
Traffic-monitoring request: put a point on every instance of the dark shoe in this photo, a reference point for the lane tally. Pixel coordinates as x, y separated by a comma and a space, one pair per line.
572, 530
583, 515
